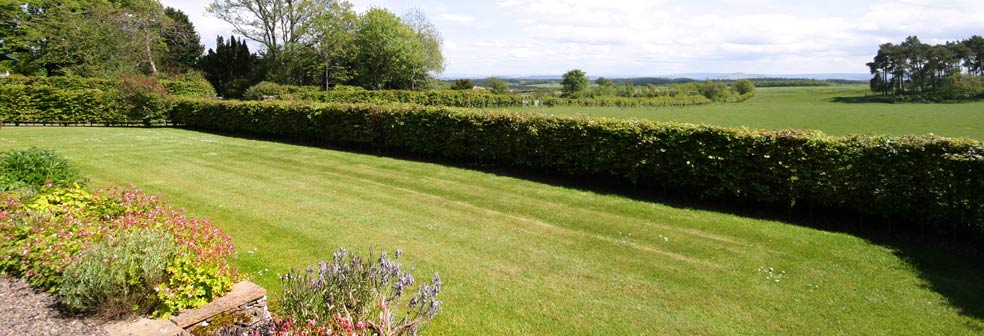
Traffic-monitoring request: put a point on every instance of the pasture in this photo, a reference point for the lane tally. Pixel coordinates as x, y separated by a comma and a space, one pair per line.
523, 257
834, 110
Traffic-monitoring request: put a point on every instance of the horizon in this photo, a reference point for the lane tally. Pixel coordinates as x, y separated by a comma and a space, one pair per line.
509, 38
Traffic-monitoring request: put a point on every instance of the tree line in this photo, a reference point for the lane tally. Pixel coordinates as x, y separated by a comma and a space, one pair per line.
304, 42
951, 70
96, 38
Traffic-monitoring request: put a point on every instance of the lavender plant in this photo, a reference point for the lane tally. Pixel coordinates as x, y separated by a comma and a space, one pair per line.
359, 295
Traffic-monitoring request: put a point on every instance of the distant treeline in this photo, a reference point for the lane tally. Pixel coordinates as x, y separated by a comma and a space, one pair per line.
953, 70
522, 84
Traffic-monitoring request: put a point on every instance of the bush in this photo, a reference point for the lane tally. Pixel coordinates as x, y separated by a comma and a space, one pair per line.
145, 99
190, 87
36, 167
66, 99
366, 295
116, 277
41, 240
928, 184
268, 89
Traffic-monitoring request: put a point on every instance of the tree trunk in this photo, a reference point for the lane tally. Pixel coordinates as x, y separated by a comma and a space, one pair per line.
150, 53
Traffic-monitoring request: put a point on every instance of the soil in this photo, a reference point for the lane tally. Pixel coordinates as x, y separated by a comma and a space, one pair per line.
29, 312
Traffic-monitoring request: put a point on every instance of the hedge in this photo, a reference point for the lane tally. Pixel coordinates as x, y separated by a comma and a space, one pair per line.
460, 98
42, 103
928, 182
78, 100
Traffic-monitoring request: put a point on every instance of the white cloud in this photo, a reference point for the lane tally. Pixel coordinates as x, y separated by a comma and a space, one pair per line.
456, 18
651, 37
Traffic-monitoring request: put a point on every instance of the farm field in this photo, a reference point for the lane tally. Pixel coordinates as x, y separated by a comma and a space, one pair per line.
521, 257
810, 108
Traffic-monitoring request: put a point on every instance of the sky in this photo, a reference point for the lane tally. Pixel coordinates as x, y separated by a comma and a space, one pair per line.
661, 37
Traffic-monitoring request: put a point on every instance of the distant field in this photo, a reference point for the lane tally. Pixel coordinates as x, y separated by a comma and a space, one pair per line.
526, 258
812, 108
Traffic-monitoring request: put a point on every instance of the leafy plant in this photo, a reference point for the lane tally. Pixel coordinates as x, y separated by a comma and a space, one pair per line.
145, 98
117, 277
363, 296
40, 240
190, 284
36, 167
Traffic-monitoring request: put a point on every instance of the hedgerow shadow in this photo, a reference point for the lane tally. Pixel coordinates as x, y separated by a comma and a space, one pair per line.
952, 270
864, 100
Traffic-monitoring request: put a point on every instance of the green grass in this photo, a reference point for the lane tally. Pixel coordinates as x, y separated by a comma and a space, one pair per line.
811, 108
520, 257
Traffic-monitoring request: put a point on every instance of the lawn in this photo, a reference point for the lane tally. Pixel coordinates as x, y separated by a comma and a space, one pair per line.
522, 257
811, 108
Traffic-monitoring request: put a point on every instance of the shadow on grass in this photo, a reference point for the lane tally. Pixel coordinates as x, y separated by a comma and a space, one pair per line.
864, 100
952, 270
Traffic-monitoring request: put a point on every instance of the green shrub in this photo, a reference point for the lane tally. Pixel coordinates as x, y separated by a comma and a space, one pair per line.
42, 236
145, 98
189, 88
926, 183
36, 167
190, 283
269, 89
352, 291
117, 276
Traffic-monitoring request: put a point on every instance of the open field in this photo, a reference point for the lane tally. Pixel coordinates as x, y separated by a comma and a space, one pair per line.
812, 108
520, 257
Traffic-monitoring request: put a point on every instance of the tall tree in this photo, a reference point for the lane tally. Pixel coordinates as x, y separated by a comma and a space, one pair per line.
184, 45
389, 53
463, 84
430, 40
334, 35
497, 86
273, 23
913, 67
575, 83
230, 67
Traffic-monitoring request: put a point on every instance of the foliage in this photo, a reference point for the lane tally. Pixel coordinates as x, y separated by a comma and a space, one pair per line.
463, 84
145, 98
327, 43
191, 283
269, 89
575, 83
430, 41
497, 86
69, 99
184, 46
116, 276
928, 180
334, 37
190, 84
913, 68
744, 86
230, 67
43, 235
85, 37
469, 98
367, 292
389, 53
36, 167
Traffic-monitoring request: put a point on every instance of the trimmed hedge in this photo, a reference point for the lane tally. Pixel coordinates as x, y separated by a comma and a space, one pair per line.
33, 103
466, 98
77, 99
933, 184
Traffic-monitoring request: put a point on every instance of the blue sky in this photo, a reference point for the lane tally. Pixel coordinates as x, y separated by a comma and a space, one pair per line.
658, 37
